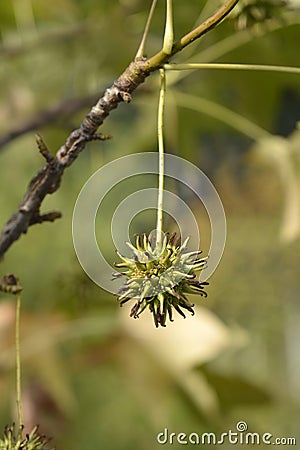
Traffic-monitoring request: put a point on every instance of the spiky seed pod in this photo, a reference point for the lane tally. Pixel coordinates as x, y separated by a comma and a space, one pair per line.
159, 276
33, 441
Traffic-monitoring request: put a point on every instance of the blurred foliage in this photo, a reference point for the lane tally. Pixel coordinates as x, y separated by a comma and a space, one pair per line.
249, 13
92, 377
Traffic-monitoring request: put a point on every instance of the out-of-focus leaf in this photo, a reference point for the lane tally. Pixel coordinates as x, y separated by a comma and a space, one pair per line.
185, 344
250, 12
43, 361
233, 390
278, 151
182, 344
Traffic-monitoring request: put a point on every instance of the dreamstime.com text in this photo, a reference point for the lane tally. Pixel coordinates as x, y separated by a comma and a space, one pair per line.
239, 436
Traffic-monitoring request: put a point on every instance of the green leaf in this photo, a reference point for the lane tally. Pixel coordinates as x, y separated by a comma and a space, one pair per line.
234, 390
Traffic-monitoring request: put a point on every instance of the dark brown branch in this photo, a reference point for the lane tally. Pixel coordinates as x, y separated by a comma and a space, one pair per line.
44, 151
48, 217
48, 179
99, 137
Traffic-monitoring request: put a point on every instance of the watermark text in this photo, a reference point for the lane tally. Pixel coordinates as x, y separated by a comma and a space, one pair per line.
240, 435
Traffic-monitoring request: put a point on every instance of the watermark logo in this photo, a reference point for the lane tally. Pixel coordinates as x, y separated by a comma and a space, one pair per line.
240, 435
99, 187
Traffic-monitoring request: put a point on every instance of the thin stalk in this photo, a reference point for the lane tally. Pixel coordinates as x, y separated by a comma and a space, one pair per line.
141, 50
161, 167
229, 66
230, 43
169, 32
18, 364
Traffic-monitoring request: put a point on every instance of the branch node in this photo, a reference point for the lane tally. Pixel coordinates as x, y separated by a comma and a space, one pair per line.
98, 137
48, 217
125, 96
44, 149
24, 209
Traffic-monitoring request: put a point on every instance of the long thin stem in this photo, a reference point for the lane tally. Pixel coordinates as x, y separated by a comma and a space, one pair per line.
167, 49
169, 32
230, 43
18, 364
141, 50
229, 66
160, 135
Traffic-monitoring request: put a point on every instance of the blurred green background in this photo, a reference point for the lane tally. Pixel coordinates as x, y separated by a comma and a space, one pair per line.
92, 378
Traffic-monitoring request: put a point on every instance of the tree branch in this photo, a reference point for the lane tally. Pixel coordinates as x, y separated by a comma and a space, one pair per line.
206, 26
48, 179
48, 217
198, 32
